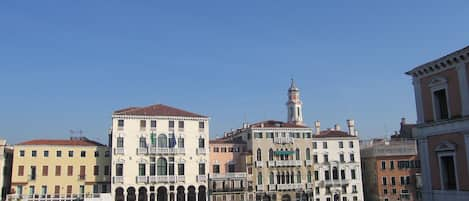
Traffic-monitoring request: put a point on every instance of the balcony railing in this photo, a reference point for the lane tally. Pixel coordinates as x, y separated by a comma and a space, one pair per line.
229, 175
142, 179
260, 187
118, 179
336, 182
164, 179
201, 178
201, 151
119, 150
287, 163
259, 164
308, 162
81, 177
309, 185
272, 187
181, 178
142, 150
283, 140
289, 186
160, 150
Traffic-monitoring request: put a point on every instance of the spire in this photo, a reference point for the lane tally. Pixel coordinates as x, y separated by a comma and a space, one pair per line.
293, 86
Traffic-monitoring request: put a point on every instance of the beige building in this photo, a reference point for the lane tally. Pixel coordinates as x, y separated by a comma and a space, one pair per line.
6, 160
441, 89
159, 153
77, 167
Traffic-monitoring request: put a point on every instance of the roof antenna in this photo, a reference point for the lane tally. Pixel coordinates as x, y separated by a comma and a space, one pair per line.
73, 134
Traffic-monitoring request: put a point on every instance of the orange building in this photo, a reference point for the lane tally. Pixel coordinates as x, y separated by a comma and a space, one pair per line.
441, 91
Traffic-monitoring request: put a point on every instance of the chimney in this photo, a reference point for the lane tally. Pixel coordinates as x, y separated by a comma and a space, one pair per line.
356, 133
317, 125
245, 125
402, 121
262, 125
351, 126
337, 127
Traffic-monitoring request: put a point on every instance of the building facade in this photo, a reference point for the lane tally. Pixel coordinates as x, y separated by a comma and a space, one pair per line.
228, 177
6, 162
336, 163
391, 169
442, 101
53, 169
159, 153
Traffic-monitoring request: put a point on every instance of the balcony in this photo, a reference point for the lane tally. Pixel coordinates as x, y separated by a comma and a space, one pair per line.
336, 182
164, 179
289, 186
142, 150
118, 179
81, 177
271, 163
283, 140
288, 163
119, 150
201, 151
158, 150
229, 175
260, 187
309, 186
272, 187
308, 162
181, 178
141, 179
201, 178
259, 164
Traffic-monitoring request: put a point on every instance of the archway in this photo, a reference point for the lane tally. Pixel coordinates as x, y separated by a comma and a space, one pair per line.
142, 194
131, 194
180, 196
162, 194
286, 197
119, 194
191, 196
202, 193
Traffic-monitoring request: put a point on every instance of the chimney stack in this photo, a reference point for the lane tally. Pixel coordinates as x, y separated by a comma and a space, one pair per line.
317, 125
337, 127
351, 127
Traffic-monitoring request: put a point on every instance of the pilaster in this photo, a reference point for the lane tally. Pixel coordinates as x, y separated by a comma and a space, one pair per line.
418, 99
463, 88
427, 194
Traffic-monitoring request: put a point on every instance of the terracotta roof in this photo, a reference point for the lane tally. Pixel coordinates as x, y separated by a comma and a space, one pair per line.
275, 124
227, 141
332, 133
156, 110
63, 142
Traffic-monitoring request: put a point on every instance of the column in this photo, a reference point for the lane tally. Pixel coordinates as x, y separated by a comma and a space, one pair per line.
185, 194
425, 167
463, 88
418, 99
125, 195
196, 195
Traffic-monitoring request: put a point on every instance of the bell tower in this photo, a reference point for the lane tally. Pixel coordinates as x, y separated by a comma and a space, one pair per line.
294, 105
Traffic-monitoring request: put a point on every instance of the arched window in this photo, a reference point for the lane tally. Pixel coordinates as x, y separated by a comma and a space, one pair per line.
298, 177
162, 166
259, 178
282, 156
271, 178
287, 178
162, 141
309, 176
308, 155
335, 173
297, 153
271, 155
259, 157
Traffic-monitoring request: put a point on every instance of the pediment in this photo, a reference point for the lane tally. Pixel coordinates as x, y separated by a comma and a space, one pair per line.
438, 80
445, 146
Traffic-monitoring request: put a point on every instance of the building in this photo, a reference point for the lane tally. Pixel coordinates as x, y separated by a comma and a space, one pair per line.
336, 164
6, 160
73, 168
391, 169
159, 153
228, 177
441, 91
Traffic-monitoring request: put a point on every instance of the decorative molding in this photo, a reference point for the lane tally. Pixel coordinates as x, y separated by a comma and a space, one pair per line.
445, 146
441, 64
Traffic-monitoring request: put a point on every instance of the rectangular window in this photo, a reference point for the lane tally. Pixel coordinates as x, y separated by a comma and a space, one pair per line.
231, 167
58, 153
34, 153
104, 188
181, 124
315, 158
316, 175
141, 169
341, 144
70, 170
43, 190
171, 168
257, 135
171, 124
31, 190
96, 170
21, 153
383, 165
119, 170
181, 169
45, 170
201, 168
223, 149
216, 169
353, 174
352, 157
82, 171
315, 145
440, 104
33, 172
326, 158
393, 181
350, 144
83, 154
56, 190
95, 188
201, 124
403, 164
96, 154
342, 174
448, 172
20, 170
391, 165
69, 189
58, 170
216, 149
46, 153
120, 142
70, 153
324, 145
120, 123
107, 170
385, 181
342, 159
143, 124
327, 176
181, 142
153, 123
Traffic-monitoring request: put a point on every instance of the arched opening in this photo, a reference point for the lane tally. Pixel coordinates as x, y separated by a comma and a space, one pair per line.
191, 196
266, 198
180, 196
297, 154
119, 194
152, 196
259, 155
271, 155
308, 154
162, 166
162, 194
162, 141
142, 194
202, 193
131, 194
286, 197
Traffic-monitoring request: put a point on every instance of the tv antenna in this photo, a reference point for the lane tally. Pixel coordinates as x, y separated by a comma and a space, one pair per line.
74, 133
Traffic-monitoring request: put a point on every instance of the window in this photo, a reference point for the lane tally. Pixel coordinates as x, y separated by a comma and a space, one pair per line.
223, 149
440, 104
107, 154
120, 123
46, 153
317, 192
342, 159
354, 189
107, 170
70, 153
34, 153
216, 149
153, 123
341, 144
201, 168
141, 169
344, 190
104, 188
308, 155
83, 154
57, 190
216, 169
391, 165
297, 154
171, 124
257, 135
324, 145
298, 177
342, 174
327, 176
69, 189
231, 167
31, 190
162, 166
308, 177
20, 170
96, 153
201, 124
448, 172
385, 191
350, 144
315, 158
259, 155
326, 158
315, 145
43, 190
335, 173
269, 135
393, 181
352, 157
96, 170
143, 124
119, 169
271, 155
385, 181
181, 124
201, 142
394, 191
120, 142
230, 149
95, 188
58, 170
171, 166
259, 178
70, 170
162, 141
142, 142
21, 153
45, 170
33, 172
407, 180
383, 165
316, 175
181, 142
403, 164
181, 169
352, 172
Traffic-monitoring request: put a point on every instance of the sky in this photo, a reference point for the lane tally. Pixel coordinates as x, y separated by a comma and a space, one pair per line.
67, 65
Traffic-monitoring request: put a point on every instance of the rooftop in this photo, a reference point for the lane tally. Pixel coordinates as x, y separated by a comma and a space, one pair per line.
81, 141
275, 124
332, 133
156, 110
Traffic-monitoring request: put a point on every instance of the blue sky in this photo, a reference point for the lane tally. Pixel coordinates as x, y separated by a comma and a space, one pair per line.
68, 65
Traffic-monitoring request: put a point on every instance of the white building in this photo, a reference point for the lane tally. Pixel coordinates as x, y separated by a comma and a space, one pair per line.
159, 153
336, 159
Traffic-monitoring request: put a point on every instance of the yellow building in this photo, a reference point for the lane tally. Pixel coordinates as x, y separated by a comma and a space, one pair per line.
60, 168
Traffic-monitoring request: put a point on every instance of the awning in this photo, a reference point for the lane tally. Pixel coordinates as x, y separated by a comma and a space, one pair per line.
284, 152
